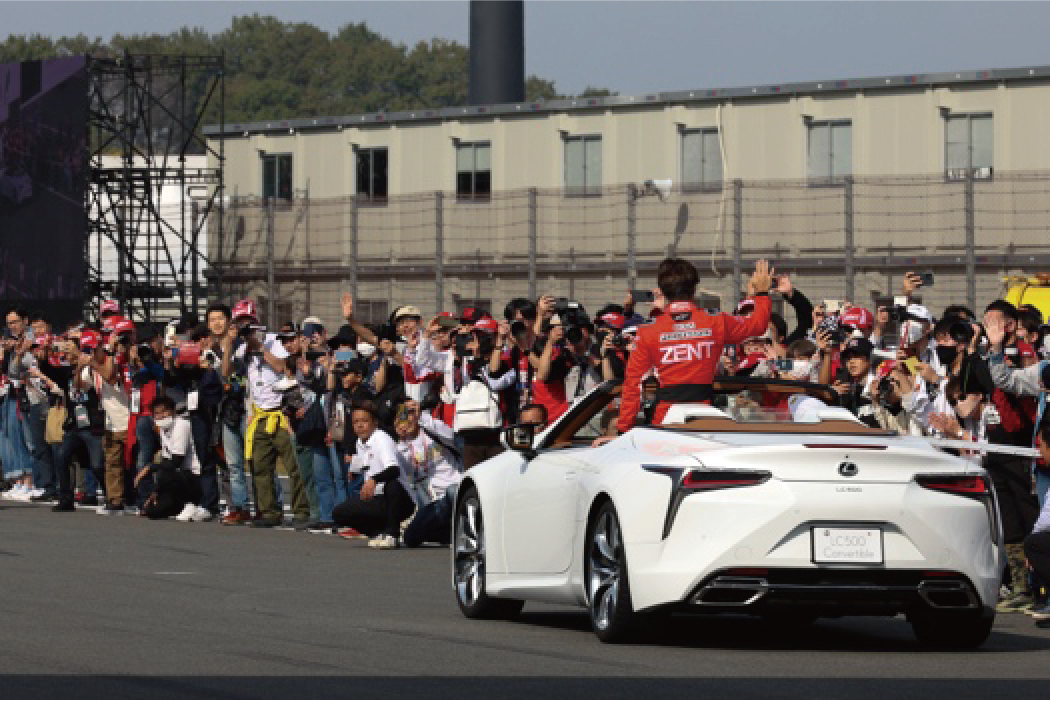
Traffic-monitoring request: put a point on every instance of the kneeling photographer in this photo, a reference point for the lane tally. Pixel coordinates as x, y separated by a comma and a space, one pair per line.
169, 483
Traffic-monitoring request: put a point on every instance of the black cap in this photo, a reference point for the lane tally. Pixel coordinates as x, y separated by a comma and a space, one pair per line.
345, 337
858, 346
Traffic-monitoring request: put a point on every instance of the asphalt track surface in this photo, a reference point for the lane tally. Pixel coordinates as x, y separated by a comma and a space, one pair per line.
119, 607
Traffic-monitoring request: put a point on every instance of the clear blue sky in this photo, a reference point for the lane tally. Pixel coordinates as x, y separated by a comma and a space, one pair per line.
637, 47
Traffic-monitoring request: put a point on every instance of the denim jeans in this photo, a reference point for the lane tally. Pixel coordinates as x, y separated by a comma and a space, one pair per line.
233, 447
330, 479
39, 448
1042, 485
17, 461
63, 457
433, 523
305, 460
147, 440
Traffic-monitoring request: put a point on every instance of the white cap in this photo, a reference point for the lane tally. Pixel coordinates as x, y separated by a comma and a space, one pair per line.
920, 312
804, 408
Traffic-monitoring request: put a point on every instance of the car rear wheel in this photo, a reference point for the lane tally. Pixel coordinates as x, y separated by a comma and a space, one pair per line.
468, 564
953, 631
608, 592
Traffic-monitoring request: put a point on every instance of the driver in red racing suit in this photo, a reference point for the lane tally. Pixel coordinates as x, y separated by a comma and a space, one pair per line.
685, 343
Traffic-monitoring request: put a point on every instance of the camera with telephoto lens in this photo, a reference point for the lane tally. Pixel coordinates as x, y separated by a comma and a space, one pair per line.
573, 318
145, 352
187, 355
249, 329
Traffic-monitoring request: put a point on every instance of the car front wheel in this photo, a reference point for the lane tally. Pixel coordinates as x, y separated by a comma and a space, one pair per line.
468, 564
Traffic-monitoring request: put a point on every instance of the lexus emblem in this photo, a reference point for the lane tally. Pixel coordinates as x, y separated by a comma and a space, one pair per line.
848, 469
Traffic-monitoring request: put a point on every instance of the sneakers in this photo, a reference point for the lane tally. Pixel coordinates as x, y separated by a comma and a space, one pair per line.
111, 510
321, 527
19, 492
63, 506
1039, 613
1015, 604
201, 515
383, 542
187, 513
303, 526
351, 534
45, 496
237, 517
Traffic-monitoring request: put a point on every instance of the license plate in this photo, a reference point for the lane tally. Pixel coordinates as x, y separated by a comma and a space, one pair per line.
846, 545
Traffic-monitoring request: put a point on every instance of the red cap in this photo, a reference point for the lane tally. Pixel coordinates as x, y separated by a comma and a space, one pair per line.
90, 338
245, 308
613, 320
858, 318
43, 339
110, 306
471, 315
746, 306
123, 326
109, 322
488, 325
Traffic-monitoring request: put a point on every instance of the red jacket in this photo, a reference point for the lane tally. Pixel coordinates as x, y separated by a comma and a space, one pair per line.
684, 346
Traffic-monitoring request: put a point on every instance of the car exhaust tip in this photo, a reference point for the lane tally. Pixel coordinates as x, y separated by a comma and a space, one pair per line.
947, 595
732, 591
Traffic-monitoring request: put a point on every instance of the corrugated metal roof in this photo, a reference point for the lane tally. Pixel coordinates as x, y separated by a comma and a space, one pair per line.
815, 87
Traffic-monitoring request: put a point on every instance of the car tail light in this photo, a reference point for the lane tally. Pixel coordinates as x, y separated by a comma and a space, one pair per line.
969, 486
707, 480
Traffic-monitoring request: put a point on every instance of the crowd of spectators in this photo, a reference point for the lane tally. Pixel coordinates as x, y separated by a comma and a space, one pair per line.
374, 425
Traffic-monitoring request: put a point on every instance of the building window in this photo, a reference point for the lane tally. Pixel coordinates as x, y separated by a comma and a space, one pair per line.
372, 172
968, 146
374, 311
474, 171
277, 176
701, 160
583, 166
830, 152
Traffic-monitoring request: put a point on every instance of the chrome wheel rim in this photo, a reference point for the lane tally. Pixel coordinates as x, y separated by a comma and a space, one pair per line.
469, 552
603, 581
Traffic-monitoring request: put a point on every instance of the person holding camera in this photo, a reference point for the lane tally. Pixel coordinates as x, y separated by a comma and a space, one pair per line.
269, 433
561, 349
111, 362
229, 327
612, 348
685, 343
17, 462
44, 383
85, 420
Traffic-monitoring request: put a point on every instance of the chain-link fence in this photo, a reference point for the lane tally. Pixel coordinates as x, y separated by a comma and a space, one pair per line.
849, 240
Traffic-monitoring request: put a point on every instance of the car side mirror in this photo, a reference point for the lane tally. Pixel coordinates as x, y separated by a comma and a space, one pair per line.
520, 438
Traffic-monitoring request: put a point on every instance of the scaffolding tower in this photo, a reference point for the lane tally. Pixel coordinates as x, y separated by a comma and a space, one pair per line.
145, 117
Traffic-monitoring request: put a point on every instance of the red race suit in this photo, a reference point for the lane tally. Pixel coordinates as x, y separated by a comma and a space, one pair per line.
684, 345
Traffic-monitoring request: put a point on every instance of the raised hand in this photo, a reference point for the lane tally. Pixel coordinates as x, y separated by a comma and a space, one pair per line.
348, 306
762, 278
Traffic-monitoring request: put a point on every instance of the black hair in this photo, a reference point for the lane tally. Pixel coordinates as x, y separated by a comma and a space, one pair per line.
960, 330
200, 333
219, 307
520, 304
1030, 318
779, 324
958, 310
802, 348
530, 407
20, 311
36, 316
162, 401
1001, 305
366, 405
677, 279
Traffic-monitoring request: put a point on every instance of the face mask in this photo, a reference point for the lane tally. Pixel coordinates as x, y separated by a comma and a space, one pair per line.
366, 349
800, 368
946, 354
165, 424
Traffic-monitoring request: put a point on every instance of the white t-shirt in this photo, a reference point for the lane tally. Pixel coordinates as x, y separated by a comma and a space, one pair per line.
430, 470
261, 377
178, 440
380, 452
116, 403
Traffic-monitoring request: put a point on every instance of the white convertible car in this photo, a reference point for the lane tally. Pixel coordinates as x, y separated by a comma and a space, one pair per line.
730, 509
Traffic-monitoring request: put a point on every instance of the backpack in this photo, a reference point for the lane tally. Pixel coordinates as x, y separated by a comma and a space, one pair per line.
477, 408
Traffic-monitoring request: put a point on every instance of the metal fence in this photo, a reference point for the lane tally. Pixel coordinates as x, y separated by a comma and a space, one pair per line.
848, 240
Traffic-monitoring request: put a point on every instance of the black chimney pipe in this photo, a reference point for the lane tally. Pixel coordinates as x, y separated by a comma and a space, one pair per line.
497, 51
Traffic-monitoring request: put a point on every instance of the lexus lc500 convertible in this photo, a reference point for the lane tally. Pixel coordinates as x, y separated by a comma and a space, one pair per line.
730, 508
